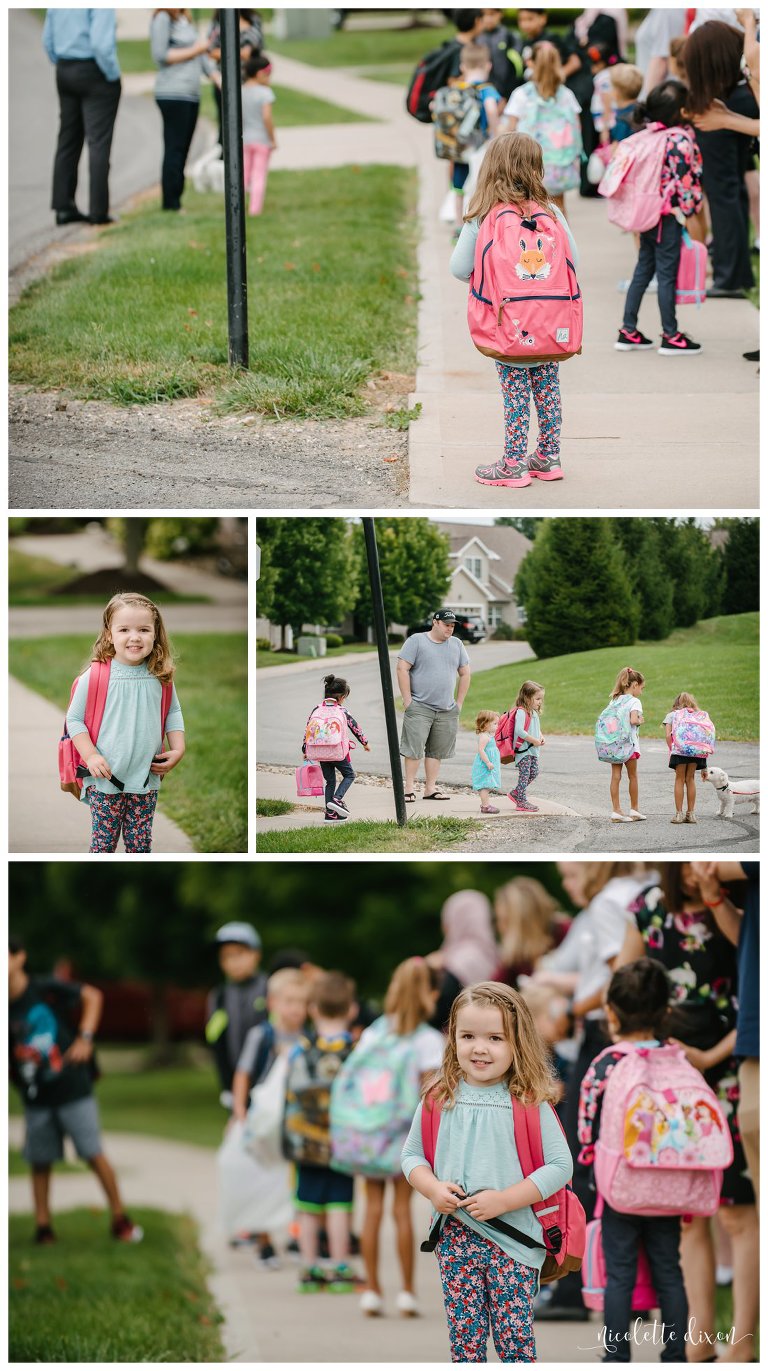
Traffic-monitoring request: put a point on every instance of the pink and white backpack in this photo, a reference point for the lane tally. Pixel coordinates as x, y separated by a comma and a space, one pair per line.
693, 733
594, 1274
691, 284
524, 299
664, 1141
632, 180
327, 736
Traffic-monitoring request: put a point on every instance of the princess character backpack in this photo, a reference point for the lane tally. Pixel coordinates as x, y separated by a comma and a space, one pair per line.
524, 299
664, 1141
326, 738
632, 180
693, 733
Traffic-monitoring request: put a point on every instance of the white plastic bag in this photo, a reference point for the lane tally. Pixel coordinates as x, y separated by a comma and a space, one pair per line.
264, 1122
475, 162
447, 213
252, 1198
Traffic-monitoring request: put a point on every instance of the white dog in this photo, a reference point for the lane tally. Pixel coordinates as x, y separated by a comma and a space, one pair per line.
207, 172
731, 793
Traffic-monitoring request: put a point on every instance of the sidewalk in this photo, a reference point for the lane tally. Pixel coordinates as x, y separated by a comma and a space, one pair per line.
264, 1319
41, 817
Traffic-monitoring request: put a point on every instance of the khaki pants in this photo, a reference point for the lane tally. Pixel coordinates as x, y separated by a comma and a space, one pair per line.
749, 1118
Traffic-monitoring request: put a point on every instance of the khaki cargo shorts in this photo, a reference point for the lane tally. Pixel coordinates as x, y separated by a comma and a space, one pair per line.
429, 732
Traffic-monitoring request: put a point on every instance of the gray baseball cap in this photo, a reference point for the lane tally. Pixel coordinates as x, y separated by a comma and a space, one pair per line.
239, 933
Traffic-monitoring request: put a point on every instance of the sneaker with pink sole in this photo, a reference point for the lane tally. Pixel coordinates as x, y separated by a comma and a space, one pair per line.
524, 806
503, 474
546, 468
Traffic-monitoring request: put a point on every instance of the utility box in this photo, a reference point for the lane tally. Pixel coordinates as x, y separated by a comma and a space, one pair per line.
311, 646
301, 23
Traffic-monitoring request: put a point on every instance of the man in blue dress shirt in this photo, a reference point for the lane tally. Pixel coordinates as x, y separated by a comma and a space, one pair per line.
83, 46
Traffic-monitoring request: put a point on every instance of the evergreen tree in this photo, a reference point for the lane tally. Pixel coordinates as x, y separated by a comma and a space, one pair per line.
741, 560
576, 590
523, 524
415, 570
640, 540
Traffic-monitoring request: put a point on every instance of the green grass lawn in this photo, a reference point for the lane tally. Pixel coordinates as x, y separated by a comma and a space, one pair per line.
717, 661
17, 1166
207, 793
90, 1299
265, 658
181, 1103
37, 581
369, 48
269, 809
144, 316
293, 109
419, 835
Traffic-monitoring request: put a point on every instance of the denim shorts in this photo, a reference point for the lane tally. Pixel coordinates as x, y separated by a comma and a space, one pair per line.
48, 1127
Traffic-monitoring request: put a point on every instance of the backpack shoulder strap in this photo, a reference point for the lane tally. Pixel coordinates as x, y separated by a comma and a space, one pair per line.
165, 705
430, 1126
98, 685
530, 1150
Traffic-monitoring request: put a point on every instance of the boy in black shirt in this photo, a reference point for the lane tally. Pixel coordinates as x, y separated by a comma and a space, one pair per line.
51, 1064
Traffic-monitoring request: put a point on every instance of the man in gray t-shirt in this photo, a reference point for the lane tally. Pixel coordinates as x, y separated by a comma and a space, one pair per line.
427, 668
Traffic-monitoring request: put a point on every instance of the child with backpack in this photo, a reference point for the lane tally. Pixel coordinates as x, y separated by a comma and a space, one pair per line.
654, 185
259, 143
487, 1150
658, 1140
691, 741
465, 116
525, 308
320, 1191
617, 741
372, 1103
327, 741
549, 112
486, 768
122, 707
526, 742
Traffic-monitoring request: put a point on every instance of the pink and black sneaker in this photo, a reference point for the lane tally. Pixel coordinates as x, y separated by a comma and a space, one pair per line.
676, 344
503, 474
632, 340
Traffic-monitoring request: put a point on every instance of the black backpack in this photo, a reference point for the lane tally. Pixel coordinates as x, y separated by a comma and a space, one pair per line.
432, 72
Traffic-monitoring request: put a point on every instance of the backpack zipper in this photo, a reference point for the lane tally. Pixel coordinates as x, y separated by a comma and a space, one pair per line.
518, 299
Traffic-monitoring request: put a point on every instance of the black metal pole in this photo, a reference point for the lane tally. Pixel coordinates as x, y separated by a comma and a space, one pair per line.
380, 629
234, 194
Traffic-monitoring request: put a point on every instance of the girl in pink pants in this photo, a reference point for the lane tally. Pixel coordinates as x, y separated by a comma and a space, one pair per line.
258, 128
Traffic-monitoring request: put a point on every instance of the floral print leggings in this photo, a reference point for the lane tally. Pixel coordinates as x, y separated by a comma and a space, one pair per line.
482, 1285
517, 384
131, 813
527, 771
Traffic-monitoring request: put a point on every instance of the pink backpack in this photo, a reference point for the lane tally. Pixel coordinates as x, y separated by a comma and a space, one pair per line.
309, 780
691, 288
72, 769
632, 180
594, 1275
562, 1218
504, 736
692, 733
664, 1141
524, 299
327, 734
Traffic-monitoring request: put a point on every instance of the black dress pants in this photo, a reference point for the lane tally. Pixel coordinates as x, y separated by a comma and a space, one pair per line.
179, 120
87, 108
726, 156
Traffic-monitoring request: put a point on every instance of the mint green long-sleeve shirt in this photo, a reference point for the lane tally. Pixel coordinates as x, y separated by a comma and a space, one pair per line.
129, 736
476, 1149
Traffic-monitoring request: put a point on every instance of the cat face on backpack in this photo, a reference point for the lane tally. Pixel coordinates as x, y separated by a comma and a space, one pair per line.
532, 264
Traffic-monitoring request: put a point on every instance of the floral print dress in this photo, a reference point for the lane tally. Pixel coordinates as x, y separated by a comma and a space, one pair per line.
701, 963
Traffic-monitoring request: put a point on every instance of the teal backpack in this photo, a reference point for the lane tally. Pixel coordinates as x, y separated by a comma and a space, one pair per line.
613, 733
373, 1101
556, 129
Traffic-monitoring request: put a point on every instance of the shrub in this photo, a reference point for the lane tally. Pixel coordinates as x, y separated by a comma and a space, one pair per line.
263, 645
503, 633
334, 640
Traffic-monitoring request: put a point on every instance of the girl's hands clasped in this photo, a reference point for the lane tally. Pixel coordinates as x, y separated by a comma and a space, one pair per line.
170, 758
99, 766
446, 1197
485, 1205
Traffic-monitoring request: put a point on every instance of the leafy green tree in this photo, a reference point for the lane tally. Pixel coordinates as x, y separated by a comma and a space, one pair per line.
576, 590
522, 523
316, 565
741, 558
415, 569
640, 540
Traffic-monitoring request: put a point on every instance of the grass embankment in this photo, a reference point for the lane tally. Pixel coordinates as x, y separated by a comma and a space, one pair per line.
207, 793
717, 661
88, 1298
293, 109
17, 1166
420, 835
265, 657
333, 284
36, 581
272, 809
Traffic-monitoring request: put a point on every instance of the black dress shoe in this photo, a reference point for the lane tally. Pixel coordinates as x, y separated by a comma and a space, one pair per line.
70, 216
108, 219
718, 293
751, 356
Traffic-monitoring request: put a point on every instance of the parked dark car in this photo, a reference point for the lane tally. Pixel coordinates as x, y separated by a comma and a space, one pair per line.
469, 627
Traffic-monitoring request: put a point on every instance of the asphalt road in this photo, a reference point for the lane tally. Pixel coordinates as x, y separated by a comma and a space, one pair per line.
570, 773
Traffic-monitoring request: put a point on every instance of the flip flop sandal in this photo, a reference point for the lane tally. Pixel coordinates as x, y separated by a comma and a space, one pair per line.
436, 795
409, 797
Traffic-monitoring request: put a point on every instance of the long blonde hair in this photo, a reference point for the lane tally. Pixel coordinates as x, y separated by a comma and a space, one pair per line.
511, 173
160, 662
530, 1077
524, 914
525, 696
597, 875
626, 677
411, 995
546, 70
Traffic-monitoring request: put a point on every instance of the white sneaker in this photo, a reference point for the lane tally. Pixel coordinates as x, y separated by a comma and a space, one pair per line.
635, 815
407, 1307
371, 1303
617, 818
